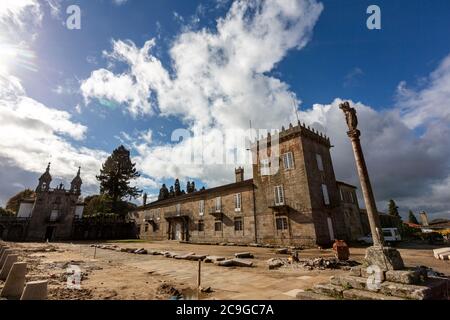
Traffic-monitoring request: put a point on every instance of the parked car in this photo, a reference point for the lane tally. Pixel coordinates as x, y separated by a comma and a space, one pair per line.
391, 237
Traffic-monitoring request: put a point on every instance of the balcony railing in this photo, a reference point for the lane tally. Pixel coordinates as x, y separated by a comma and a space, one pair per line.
174, 214
281, 206
216, 211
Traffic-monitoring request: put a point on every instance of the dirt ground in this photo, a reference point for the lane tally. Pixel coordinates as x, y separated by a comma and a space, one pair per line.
107, 274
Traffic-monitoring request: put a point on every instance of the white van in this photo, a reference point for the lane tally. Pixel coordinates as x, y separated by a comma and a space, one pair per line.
391, 236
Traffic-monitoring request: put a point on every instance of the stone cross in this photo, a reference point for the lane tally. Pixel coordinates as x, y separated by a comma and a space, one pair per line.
369, 199
384, 257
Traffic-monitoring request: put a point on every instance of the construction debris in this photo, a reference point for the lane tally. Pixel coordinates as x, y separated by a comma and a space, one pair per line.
234, 263
243, 255
310, 264
442, 253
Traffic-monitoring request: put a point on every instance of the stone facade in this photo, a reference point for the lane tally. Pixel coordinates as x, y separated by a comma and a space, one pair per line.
48, 217
352, 214
298, 204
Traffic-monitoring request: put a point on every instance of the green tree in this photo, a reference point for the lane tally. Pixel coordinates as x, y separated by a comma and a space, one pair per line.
177, 188
97, 204
115, 176
13, 203
393, 209
412, 218
4, 212
101, 204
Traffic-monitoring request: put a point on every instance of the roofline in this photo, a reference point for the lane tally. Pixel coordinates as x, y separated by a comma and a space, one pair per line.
193, 195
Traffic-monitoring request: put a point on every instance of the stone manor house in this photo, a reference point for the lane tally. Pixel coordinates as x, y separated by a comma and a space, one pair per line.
300, 204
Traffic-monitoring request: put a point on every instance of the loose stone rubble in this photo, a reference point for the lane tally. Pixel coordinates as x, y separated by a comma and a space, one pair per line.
311, 264
442, 253
419, 283
237, 261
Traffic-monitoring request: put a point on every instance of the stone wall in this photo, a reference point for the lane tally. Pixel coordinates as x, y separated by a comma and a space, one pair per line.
352, 214
46, 201
153, 223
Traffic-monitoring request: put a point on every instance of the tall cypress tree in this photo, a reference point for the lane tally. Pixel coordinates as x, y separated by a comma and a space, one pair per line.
177, 188
412, 218
116, 174
393, 209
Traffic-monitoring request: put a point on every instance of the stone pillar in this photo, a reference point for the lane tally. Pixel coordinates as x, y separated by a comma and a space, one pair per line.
10, 260
2, 249
35, 290
15, 282
384, 258
369, 199
6, 253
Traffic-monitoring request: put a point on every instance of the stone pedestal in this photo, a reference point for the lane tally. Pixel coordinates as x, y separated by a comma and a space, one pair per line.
386, 258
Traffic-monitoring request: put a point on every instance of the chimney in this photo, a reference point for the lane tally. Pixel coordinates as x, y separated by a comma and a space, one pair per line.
424, 218
239, 173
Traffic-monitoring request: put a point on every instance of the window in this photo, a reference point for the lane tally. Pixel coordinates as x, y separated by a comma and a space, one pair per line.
288, 160
342, 194
237, 202
218, 225
352, 197
218, 204
201, 207
265, 167
281, 223
387, 233
279, 195
319, 162
54, 215
326, 197
201, 225
238, 224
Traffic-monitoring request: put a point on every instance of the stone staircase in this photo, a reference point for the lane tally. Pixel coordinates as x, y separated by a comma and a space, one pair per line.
413, 284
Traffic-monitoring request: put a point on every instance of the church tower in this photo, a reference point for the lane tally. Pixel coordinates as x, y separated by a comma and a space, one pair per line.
44, 181
75, 185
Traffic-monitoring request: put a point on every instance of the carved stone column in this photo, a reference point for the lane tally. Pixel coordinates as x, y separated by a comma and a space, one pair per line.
369, 199
384, 257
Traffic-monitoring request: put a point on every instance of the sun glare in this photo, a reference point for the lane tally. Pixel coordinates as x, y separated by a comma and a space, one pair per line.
15, 55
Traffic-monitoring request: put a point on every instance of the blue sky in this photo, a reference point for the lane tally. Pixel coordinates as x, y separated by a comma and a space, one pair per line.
386, 71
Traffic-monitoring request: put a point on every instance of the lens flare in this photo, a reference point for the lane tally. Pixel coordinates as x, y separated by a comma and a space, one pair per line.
15, 56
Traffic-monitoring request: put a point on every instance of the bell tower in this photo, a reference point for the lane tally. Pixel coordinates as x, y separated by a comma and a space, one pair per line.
75, 185
45, 180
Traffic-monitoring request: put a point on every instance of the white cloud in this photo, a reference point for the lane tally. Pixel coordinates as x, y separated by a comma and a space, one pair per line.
16, 13
147, 136
33, 134
119, 2
215, 72
430, 103
220, 79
